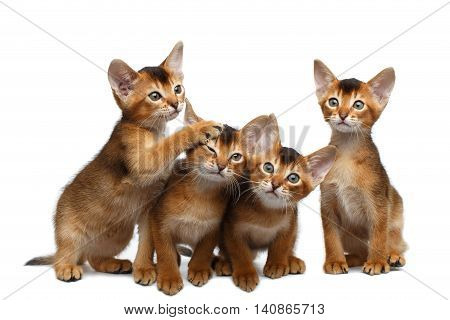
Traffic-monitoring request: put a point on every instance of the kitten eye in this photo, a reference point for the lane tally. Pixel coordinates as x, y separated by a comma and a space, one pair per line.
236, 157
268, 167
211, 150
333, 102
155, 96
358, 105
293, 178
178, 89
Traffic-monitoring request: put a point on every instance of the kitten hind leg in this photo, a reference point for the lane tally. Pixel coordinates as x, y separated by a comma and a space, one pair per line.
396, 245
110, 265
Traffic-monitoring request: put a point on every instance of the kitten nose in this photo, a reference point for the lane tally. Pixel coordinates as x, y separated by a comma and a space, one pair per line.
220, 167
343, 115
174, 105
275, 185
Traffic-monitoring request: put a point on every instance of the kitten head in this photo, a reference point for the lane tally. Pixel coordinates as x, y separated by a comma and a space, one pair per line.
280, 177
351, 105
219, 163
152, 95
222, 161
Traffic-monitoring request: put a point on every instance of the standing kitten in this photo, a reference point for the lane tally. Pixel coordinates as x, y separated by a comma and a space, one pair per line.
97, 211
191, 210
362, 213
265, 216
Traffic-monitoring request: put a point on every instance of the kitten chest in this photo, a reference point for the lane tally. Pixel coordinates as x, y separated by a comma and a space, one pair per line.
345, 181
195, 220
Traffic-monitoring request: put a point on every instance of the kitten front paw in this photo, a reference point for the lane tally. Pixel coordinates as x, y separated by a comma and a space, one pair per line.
144, 275
396, 260
199, 277
170, 284
376, 267
68, 273
275, 270
335, 267
205, 131
247, 280
296, 265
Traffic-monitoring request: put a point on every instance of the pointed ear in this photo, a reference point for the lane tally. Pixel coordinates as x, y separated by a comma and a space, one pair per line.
320, 162
382, 85
121, 78
323, 77
174, 62
260, 135
189, 115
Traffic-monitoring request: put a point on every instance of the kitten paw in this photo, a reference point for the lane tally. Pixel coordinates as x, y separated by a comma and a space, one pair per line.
68, 273
376, 267
144, 275
296, 265
199, 277
222, 267
207, 131
112, 265
169, 284
396, 260
275, 270
335, 267
247, 281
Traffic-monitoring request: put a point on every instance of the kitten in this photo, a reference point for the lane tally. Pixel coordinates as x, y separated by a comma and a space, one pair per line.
97, 211
362, 213
265, 217
191, 209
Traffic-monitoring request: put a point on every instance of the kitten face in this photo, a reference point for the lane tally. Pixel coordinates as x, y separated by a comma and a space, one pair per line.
222, 161
153, 95
280, 179
351, 105
283, 177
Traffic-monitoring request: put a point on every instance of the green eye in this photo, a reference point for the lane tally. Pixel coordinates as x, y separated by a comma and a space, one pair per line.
178, 89
268, 167
293, 178
358, 105
154, 96
236, 157
333, 102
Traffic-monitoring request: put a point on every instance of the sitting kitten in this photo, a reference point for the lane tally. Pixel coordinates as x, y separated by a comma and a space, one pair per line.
265, 217
191, 209
362, 213
97, 211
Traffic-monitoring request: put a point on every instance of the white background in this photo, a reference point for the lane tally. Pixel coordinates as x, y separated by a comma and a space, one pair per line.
242, 59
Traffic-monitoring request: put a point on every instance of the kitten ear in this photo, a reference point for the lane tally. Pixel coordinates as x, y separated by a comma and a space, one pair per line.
320, 162
382, 85
174, 62
189, 115
121, 78
323, 77
260, 135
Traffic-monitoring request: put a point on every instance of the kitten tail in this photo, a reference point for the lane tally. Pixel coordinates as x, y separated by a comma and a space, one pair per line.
40, 261
184, 251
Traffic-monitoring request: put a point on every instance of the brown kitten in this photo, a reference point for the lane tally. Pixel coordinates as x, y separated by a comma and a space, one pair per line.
191, 209
362, 213
97, 211
265, 217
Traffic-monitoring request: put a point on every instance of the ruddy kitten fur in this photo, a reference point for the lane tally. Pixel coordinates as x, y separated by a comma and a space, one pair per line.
191, 210
362, 213
97, 211
265, 217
